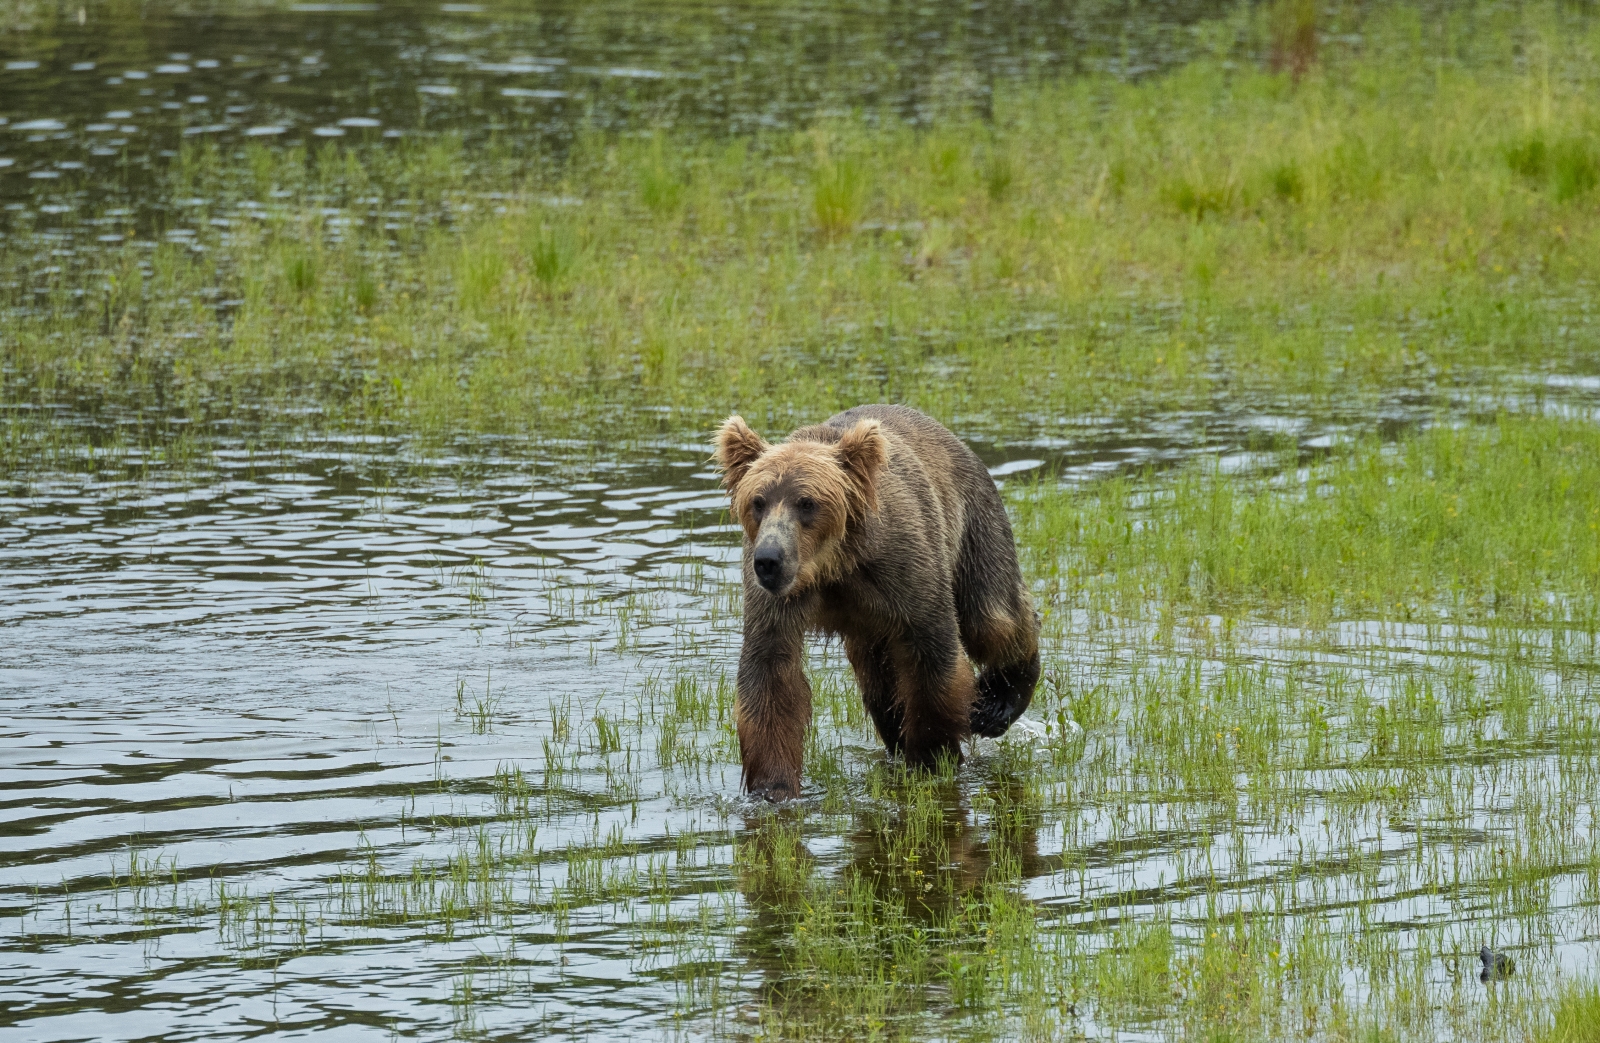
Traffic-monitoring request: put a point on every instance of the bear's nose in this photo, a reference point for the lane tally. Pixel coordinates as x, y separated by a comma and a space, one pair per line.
768, 563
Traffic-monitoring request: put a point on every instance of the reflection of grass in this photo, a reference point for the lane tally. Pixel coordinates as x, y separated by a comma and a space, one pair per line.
1199, 863
1100, 246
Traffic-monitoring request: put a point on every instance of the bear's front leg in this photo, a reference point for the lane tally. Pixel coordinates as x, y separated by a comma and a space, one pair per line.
773, 702
936, 690
873, 662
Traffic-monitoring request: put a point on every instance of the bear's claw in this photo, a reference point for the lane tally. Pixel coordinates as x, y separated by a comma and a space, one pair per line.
776, 793
991, 717
1004, 693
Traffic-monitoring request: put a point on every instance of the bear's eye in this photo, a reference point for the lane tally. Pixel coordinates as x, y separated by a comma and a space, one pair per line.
807, 504
758, 504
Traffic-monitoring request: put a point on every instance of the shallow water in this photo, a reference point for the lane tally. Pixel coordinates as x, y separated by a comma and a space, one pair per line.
91, 112
275, 729
275, 726
257, 671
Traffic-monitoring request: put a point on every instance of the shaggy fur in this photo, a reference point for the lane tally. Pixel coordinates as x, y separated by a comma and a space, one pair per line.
882, 528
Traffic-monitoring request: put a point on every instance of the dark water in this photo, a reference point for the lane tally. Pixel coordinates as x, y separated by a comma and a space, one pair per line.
95, 98
257, 672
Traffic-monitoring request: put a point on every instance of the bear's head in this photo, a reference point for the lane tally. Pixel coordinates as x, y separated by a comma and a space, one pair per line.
797, 500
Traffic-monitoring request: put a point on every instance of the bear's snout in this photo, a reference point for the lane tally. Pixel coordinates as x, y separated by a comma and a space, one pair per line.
767, 561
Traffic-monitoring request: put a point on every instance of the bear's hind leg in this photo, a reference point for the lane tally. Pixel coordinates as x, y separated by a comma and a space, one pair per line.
999, 628
1004, 692
875, 676
1008, 648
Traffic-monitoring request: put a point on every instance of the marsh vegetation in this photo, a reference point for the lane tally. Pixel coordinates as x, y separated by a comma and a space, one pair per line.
1415, 218
1285, 358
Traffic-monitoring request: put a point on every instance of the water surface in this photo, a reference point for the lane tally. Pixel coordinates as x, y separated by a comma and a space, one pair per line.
311, 739
91, 114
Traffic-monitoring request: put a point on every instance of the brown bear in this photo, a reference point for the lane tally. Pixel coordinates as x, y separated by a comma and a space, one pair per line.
880, 527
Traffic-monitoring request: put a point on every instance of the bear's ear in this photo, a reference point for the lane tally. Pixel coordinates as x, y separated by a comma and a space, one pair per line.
737, 447
863, 451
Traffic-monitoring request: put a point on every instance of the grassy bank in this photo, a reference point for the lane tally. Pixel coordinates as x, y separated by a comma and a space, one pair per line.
1495, 524
1418, 212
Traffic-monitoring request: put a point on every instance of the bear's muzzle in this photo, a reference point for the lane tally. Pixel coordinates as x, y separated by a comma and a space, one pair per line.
775, 558
767, 561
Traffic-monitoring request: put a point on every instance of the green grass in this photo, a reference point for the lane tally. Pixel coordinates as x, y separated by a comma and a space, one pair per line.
1199, 861
1490, 523
1577, 1017
1417, 211
1319, 726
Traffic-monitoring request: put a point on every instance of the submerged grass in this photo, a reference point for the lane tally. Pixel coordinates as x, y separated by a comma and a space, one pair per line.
1281, 802
1413, 211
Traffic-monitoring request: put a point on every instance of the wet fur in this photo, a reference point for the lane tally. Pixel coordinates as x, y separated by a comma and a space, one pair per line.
907, 555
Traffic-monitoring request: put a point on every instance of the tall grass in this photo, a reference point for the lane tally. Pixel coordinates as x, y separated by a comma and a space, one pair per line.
838, 197
1417, 211
1577, 1016
1494, 523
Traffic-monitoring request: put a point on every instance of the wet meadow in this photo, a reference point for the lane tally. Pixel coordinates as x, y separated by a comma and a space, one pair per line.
371, 610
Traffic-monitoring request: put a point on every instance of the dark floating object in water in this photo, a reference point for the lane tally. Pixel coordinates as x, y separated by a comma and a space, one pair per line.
1497, 966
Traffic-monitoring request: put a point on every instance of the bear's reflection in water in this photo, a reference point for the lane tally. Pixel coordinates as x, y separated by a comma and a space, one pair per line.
924, 864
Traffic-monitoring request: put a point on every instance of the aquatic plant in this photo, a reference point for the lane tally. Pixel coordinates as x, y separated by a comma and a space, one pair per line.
1493, 522
838, 196
1577, 1016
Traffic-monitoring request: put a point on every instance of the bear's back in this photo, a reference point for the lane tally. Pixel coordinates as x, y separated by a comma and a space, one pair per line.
933, 469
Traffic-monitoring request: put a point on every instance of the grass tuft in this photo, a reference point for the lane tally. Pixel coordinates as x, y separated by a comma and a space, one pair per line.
300, 272
1568, 167
839, 197
1576, 171
551, 255
1288, 183
661, 186
999, 173
1577, 1016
